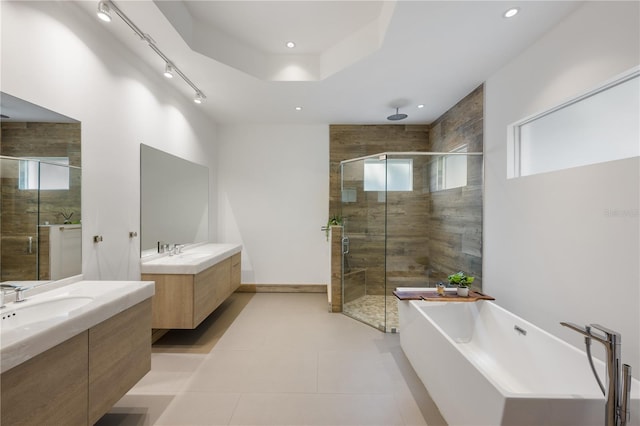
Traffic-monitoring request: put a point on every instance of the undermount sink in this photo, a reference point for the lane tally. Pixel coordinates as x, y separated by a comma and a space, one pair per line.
193, 255
45, 310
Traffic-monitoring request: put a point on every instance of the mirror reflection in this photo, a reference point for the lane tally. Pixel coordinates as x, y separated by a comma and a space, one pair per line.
174, 196
40, 204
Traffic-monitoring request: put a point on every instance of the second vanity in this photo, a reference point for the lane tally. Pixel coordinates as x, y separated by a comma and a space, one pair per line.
192, 284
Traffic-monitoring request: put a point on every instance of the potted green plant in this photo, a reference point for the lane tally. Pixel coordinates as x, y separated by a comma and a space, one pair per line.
333, 221
462, 281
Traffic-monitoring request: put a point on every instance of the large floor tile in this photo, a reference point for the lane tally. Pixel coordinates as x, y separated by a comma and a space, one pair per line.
352, 410
352, 372
316, 409
271, 410
196, 409
277, 359
256, 371
169, 373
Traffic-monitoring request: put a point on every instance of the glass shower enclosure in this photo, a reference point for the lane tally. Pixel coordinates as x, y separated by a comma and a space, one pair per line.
410, 219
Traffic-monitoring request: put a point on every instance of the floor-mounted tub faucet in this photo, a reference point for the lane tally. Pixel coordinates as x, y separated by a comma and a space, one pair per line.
618, 375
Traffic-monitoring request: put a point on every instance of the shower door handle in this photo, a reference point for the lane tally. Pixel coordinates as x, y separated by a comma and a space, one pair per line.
30, 245
345, 245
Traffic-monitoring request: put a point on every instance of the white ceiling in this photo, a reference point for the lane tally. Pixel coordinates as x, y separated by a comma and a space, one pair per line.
427, 52
314, 25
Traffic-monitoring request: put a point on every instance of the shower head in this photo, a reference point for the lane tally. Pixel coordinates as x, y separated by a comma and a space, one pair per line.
396, 116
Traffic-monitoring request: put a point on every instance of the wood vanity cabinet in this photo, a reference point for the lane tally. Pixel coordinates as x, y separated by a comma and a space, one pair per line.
119, 356
183, 301
79, 380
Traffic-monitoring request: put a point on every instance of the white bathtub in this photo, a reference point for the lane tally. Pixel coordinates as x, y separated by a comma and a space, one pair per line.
480, 371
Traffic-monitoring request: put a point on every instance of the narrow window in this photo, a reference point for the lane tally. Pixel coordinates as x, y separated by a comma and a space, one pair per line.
398, 176
602, 125
49, 173
449, 171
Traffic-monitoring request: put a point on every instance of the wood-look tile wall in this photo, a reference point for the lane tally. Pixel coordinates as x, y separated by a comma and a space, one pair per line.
427, 235
353, 141
365, 218
19, 208
455, 220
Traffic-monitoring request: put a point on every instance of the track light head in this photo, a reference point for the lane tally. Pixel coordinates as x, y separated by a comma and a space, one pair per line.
199, 98
168, 71
104, 11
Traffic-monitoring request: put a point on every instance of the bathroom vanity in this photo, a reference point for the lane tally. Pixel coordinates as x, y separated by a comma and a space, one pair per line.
192, 284
70, 353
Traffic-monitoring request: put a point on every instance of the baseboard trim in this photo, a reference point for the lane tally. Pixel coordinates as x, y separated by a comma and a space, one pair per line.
282, 288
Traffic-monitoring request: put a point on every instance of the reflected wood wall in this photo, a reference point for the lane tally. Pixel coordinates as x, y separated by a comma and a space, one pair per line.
429, 235
19, 208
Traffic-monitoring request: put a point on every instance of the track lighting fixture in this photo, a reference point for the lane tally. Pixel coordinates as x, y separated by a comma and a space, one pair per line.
168, 71
104, 12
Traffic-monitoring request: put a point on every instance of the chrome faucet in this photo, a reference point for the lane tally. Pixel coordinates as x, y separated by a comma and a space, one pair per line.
175, 249
617, 412
17, 289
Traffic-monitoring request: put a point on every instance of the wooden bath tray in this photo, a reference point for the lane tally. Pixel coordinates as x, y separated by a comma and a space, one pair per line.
432, 296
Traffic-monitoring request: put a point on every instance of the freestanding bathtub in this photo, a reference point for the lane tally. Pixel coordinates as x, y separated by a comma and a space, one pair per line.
482, 365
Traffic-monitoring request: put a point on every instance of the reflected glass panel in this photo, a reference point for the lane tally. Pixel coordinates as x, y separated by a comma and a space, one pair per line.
18, 225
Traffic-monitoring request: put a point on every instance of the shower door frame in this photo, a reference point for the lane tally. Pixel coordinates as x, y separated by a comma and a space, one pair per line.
365, 235
385, 156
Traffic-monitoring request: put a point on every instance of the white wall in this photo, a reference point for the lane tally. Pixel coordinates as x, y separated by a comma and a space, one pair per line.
564, 246
56, 55
274, 187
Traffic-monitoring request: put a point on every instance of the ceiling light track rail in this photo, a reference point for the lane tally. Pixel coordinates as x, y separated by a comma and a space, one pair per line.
104, 9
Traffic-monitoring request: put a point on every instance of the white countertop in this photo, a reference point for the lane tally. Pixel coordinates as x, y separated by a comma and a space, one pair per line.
100, 300
192, 260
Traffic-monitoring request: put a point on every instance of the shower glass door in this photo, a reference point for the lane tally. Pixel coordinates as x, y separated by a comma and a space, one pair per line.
363, 211
19, 202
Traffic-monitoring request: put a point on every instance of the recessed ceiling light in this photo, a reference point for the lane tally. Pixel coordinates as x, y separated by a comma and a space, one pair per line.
290, 44
421, 106
511, 12
298, 108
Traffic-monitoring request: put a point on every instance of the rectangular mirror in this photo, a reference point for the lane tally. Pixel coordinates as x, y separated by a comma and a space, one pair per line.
174, 195
40, 204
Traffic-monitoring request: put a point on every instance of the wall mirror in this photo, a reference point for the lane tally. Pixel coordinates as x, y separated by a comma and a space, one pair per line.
40, 201
174, 197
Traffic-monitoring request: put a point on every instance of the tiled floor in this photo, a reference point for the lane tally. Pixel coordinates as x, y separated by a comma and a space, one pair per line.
277, 359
